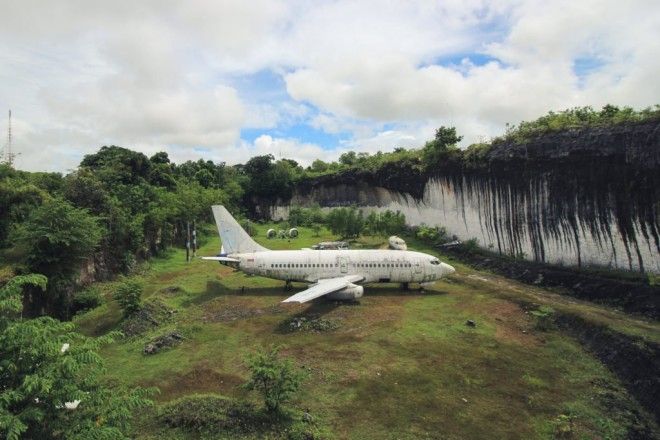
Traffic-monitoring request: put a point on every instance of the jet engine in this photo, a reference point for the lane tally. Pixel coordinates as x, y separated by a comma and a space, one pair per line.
271, 233
293, 232
350, 293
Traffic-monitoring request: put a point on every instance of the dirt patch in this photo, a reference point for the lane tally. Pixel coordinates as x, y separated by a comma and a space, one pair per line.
512, 324
202, 378
222, 310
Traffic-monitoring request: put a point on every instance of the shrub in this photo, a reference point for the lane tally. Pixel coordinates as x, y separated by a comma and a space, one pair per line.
544, 318
129, 297
216, 416
346, 222
275, 379
87, 299
563, 427
434, 235
471, 245
197, 412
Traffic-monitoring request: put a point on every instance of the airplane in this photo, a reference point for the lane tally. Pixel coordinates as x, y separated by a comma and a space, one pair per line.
335, 274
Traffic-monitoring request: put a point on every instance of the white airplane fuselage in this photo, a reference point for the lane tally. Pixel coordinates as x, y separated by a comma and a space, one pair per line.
335, 274
374, 265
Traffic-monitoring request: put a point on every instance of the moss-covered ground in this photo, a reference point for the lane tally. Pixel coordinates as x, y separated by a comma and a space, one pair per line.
401, 364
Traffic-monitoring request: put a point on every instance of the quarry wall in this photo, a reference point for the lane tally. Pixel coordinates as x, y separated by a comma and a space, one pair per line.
584, 197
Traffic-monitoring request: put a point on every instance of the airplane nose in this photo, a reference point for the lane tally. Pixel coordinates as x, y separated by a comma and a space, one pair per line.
447, 269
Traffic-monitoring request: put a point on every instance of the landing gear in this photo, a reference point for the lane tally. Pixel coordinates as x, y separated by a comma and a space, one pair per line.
405, 286
287, 285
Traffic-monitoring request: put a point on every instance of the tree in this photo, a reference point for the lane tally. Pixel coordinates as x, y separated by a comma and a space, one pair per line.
346, 222
129, 297
118, 165
17, 200
161, 157
438, 150
319, 166
349, 158
275, 379
49, 377
56, 239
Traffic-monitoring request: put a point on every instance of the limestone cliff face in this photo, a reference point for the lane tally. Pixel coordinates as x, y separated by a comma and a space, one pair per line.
577, 197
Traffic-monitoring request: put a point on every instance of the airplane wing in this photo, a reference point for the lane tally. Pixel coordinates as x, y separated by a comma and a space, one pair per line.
323, 287
224, 259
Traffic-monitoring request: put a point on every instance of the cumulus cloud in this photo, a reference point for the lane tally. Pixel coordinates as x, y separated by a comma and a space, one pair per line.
185, 77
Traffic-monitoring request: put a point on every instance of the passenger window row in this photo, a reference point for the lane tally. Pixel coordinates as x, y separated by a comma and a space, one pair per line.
279, 265
382, 265
325, 265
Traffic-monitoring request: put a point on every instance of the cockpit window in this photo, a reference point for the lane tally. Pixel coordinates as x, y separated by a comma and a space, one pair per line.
435, 261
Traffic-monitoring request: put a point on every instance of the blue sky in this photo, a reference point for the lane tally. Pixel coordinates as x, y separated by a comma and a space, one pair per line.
227, 80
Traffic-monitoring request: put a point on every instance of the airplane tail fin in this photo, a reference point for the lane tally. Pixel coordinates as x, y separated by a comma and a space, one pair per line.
234, 239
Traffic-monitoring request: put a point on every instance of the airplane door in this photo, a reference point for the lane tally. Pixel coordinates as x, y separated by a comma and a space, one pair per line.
343, 264
417, 267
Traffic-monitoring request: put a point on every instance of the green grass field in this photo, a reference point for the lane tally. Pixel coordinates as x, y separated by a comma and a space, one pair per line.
401, 364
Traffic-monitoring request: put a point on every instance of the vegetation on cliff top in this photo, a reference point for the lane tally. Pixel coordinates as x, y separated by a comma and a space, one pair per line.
443, 147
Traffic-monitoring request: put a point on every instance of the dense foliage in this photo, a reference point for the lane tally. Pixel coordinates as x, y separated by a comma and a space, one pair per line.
577, 117
117, 208
385, 223
346, 222
56, 238
49, 377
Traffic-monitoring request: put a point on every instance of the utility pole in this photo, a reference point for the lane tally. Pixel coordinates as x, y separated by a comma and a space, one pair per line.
188, 241
194, 239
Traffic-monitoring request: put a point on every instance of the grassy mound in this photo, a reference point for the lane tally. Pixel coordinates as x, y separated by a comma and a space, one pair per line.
215, 416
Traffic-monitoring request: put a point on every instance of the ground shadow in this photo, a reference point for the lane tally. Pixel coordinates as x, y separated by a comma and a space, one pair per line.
216, 288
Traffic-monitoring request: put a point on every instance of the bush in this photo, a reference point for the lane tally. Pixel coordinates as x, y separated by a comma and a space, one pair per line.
346, 222
129, 297
197, 412
275, 379
471, 245
545, 320
87, 299
433, 235
216, 416
385, 223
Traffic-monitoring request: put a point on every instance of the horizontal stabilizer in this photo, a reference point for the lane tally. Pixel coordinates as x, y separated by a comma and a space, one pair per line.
223, 259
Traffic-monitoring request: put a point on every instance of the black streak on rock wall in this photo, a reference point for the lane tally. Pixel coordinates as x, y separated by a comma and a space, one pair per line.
602, 182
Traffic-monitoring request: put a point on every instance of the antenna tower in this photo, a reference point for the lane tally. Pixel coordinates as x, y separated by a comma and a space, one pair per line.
10, 156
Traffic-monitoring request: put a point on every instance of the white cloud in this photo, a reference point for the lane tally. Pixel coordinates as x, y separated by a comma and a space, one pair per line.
162, 75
